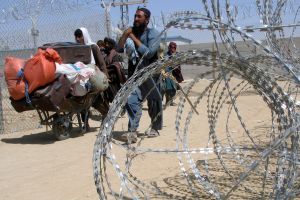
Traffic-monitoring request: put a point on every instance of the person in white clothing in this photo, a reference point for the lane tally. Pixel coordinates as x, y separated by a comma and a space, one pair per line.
82, 36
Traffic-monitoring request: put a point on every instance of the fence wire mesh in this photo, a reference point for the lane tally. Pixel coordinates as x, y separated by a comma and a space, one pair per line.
258, 160
24, 27
219, 143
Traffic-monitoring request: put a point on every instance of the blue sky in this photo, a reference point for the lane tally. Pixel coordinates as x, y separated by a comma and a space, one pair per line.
157, 6
247, 14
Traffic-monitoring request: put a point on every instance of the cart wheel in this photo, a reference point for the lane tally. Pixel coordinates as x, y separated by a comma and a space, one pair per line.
62, 130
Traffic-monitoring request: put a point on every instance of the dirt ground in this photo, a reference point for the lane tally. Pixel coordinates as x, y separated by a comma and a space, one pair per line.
36, 166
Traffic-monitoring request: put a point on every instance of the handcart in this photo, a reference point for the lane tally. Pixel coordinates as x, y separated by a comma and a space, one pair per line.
56, 106
62, 119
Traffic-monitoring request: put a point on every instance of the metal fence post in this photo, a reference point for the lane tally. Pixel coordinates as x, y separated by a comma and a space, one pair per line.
1, 108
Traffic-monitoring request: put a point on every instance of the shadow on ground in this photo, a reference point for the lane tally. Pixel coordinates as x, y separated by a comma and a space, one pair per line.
117, 135
35, 138
46, 137
188, 187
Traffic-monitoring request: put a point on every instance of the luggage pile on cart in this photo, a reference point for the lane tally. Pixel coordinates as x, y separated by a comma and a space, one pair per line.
58, 82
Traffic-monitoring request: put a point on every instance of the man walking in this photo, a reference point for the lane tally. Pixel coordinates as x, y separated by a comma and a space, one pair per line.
174, 77
146, 41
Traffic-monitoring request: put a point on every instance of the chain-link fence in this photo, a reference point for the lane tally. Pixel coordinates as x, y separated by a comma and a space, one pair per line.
1, 113
23, 32
28, 27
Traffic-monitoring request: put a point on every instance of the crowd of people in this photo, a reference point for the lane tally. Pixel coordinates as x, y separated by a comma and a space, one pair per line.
142, 45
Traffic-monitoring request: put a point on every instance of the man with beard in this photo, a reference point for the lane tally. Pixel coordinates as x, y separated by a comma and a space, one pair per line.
146, 41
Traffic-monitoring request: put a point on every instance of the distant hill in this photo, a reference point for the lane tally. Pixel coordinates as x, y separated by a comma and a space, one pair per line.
240, 44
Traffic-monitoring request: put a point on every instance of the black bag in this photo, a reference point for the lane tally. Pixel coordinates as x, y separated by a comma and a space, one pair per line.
53, 95
49, 98
21, 105
71, 52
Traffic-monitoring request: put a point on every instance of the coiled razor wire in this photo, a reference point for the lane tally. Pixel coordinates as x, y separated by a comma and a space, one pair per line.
280, 148
220, 153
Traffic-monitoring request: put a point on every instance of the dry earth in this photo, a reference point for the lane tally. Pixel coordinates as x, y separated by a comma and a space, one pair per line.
35, 166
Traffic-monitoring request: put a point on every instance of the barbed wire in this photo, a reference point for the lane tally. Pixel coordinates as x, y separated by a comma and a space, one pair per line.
272, 157
253, 164
266, 88
241, 11
21, 9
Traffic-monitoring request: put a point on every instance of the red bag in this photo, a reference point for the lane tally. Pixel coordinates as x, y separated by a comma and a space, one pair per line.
15, 85
40, 69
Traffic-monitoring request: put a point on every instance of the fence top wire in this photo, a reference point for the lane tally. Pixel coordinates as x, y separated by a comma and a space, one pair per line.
37, 21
